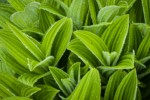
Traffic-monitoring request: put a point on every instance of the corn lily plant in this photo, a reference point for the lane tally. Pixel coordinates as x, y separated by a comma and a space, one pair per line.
74, 49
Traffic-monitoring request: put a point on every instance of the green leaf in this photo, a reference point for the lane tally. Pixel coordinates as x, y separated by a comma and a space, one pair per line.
97, 28
146, 7
113, 83
77, 11
62, 40
45, 20
19, 4
33, 65
27, 42
16, 87
30, 78
93, 10
69, 84
52, 9
127, 88
125, 62
78, 48
52, 42
89, 88
74, 72
46, 93
22, 18
94, 43
116, 34
58, 75
13, 45
108, 13
101, 3
12, 63
144, 48
17, 98
4, 92
135, 38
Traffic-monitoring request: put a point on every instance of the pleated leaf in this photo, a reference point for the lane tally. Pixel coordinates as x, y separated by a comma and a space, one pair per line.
97, 28
113, 84
125, 62
108, 13
13, 45
46, 20
89, 88
146, 7
74, 71
17, 98
12, 63
93, 10
19, 4
22, 18
116, 34
4, 92
50, 38
78, 48
30, 78
27, 42
16, 87
94, 43
127, 88
77, 11
52, 9
144, 48
62, 40
46, 93
58, 75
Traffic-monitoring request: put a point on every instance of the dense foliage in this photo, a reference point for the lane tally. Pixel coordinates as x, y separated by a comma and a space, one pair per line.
74, 49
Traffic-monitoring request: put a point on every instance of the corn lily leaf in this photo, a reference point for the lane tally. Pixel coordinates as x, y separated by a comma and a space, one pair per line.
89, 88
27, 42
4, 92
94, 43
97, 28
45, 20
119, 30
127, 88
69, 84
101, 3
33, 64
113, 83
52, 9
93, 8
12, 63
31, 78
13, 45
125, 62
58, 75
46, 93
108, 13
78, 48
74, 72
22, 18
143, 50
135, 38
17, 98
16, 87
78, 11
52, 42
19, 4
146, 7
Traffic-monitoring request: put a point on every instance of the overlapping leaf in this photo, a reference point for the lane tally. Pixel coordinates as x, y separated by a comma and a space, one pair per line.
116, 34
127, 88
15, 87
89, 88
